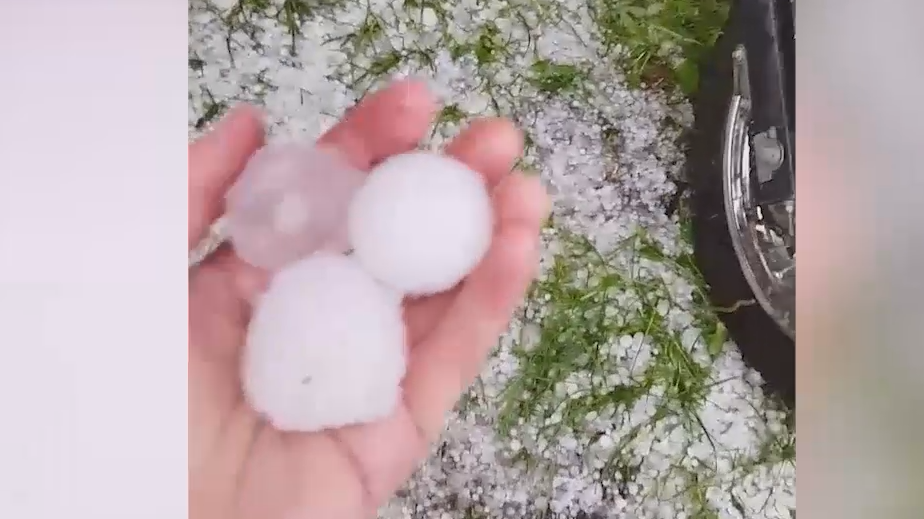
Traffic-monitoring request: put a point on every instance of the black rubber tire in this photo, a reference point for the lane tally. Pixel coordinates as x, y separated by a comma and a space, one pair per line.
763, 345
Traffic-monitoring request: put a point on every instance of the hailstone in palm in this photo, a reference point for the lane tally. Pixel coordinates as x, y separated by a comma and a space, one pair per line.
421, 222
325, 347
291, 200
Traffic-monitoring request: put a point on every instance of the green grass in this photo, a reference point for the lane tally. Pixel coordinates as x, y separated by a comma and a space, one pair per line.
213, 109
291, 14
552, 78
581, 315
663, 40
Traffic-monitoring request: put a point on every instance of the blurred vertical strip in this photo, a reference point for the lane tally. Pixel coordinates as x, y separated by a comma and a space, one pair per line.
861, 294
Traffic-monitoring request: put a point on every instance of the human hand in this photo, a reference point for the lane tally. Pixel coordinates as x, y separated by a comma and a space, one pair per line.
240, 467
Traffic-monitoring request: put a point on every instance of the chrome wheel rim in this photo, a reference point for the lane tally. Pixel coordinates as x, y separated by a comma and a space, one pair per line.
764, 247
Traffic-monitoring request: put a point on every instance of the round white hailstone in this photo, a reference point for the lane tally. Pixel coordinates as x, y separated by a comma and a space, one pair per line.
421, 222
325, 348
291, 200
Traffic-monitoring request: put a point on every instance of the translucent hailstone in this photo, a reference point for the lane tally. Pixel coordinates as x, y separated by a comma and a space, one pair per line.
290, 200
325, 347
421, 222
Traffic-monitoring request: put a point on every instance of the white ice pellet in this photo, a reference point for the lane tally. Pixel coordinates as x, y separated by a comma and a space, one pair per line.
224, 4
290, 200
325, 347
421, 222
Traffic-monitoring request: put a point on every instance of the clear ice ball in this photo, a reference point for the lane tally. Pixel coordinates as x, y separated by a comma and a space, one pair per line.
291, 200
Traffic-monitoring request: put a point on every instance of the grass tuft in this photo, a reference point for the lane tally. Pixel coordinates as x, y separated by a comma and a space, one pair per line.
583, 298
556, 78
661, 41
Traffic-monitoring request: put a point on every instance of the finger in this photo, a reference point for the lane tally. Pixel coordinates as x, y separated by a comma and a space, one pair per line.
391, 121
248, 281
215, 160
220, 292
518, 199
489, 146
521, 199
444, 364
384, 470
447, 361
521, 205
422, 314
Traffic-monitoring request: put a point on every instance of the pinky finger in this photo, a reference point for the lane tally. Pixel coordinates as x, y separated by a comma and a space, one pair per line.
449, 359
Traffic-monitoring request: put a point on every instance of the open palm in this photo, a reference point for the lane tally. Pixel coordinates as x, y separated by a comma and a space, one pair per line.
240, 467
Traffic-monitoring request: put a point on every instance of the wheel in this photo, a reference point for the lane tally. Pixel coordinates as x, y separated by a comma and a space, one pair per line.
755, 314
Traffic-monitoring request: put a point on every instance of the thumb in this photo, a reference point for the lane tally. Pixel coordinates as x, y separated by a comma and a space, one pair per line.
215, 160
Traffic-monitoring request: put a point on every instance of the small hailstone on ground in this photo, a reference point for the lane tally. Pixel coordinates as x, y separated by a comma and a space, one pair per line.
224, 4
290, 200
421, 222
325, 347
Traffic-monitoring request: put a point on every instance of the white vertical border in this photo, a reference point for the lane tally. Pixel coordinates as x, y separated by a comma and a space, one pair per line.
93, 260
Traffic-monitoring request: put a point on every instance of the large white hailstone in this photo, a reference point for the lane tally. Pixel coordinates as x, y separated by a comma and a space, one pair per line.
421, 222
325, 347
291, 200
